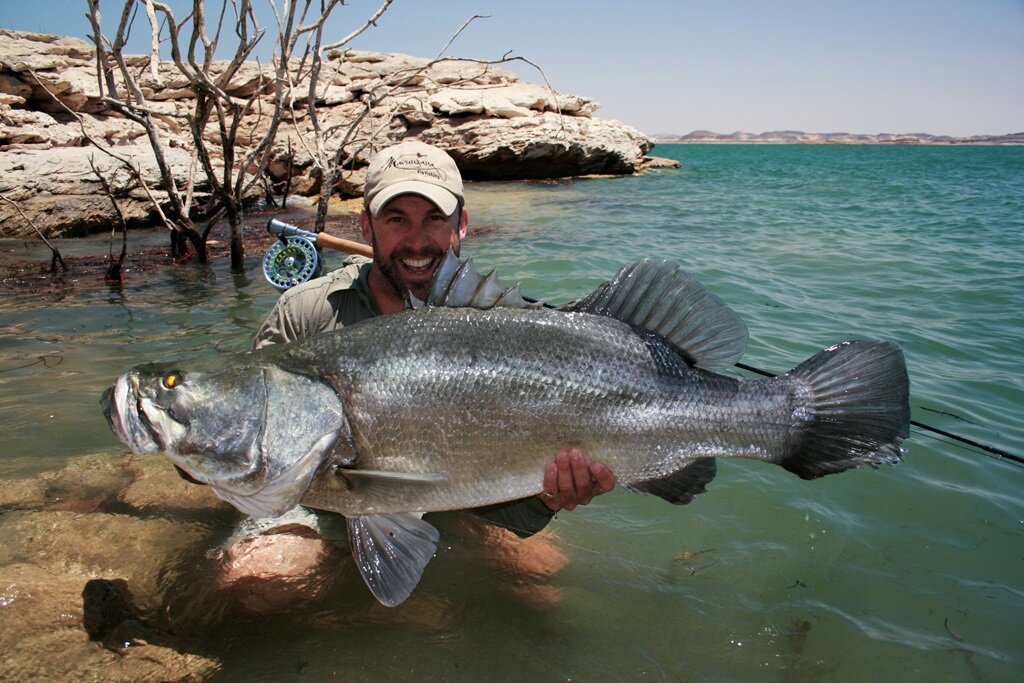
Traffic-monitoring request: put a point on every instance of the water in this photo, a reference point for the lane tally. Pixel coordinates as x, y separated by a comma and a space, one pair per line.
912, 573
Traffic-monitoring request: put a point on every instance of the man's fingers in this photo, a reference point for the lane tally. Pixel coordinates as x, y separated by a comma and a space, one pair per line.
583, 485
604, 479
550, 495
564, 462
570, 480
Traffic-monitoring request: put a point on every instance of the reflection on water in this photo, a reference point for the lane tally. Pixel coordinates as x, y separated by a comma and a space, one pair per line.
912, 573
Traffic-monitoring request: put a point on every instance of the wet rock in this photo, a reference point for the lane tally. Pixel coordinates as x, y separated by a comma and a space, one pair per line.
21, 493
87, 484
149, 553
106, 604
155, 486
86, 594
43, 637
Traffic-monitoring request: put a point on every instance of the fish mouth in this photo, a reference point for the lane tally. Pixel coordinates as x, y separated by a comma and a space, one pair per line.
122, 406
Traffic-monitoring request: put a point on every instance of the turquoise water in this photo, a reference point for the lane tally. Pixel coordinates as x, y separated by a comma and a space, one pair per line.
911, 573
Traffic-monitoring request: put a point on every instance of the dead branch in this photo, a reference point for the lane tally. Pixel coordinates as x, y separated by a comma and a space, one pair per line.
104, 72
459, 33
55, 253
114, 269
372, 21
154, 44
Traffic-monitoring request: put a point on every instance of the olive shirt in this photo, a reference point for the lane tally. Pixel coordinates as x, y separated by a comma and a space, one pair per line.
340, 298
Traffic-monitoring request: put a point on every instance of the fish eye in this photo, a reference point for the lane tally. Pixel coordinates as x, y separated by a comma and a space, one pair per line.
172, 379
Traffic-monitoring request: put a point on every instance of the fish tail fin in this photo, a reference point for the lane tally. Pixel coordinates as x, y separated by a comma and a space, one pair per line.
859, 409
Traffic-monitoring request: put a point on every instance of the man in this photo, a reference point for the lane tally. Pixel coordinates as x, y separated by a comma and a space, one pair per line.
413, 212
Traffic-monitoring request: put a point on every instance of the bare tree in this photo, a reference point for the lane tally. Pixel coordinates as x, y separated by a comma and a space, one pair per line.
239, 105
114, 266
232, 134
131, 103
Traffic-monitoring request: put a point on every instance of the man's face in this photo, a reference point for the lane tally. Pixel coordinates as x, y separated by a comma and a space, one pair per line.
410, 237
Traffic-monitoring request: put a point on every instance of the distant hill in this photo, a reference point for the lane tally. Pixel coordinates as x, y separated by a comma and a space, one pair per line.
799, 137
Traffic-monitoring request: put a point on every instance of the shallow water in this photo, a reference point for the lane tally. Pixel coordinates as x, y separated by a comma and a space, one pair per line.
911, 573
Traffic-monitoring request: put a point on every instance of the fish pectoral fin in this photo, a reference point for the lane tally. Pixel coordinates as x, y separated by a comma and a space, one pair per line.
360, 480
681, 486
283, 491
391, 552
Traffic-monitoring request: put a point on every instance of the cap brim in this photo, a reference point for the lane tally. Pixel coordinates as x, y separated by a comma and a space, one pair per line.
438, 196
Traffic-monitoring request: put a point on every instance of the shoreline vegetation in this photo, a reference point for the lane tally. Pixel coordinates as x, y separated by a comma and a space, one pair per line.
73, 144
796, 137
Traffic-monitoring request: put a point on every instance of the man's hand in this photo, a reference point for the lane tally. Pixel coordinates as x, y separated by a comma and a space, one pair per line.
570, 480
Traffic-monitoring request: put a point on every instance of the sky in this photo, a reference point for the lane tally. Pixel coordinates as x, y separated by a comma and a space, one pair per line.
945, 67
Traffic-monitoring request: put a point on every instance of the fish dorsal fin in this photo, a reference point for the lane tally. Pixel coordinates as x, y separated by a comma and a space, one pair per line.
658, 296
459, 284
391, 552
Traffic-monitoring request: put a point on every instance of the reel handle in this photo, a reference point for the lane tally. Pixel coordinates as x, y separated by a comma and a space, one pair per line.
320, 239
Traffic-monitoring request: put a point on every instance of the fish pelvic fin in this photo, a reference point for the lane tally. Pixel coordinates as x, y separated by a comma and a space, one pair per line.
459, 284
857, 407
391, 552
681, 486
659, 297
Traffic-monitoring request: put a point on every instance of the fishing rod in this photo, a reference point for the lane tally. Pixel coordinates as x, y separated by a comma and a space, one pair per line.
949, 435
294, 259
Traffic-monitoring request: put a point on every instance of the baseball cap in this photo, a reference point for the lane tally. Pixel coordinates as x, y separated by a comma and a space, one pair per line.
413, 168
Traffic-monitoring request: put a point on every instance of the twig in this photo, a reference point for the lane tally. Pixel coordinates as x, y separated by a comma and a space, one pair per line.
372, 21
114, 269
57, 258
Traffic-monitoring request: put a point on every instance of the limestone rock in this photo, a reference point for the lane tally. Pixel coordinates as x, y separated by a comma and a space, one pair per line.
495, 126
541, 146
58, 190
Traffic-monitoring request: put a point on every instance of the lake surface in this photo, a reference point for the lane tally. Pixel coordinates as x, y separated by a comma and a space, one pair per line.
907, 573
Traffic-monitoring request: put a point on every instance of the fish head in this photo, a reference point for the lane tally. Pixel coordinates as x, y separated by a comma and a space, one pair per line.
158, 408
252, 431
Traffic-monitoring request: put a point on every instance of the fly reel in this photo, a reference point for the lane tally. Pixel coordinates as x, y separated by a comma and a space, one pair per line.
291, 261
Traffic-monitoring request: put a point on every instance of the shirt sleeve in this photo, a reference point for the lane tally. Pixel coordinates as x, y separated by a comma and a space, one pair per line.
325, 303
524, 517
277, 328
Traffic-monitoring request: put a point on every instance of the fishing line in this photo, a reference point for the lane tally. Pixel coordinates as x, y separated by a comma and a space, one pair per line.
949, 435
969, 448
45, 361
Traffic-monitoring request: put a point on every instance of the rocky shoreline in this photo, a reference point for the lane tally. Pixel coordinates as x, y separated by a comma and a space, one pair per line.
789, 137
495, 126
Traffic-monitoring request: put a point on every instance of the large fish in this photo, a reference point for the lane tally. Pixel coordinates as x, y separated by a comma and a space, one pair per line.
459, 403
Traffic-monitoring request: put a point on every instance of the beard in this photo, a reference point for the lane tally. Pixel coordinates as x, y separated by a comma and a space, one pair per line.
392, 271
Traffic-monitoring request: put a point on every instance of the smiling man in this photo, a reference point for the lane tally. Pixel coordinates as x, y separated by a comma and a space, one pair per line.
413, 212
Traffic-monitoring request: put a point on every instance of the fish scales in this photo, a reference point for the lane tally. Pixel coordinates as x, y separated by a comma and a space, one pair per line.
489, 395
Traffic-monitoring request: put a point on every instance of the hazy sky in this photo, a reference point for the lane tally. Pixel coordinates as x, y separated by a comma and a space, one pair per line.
952, 67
